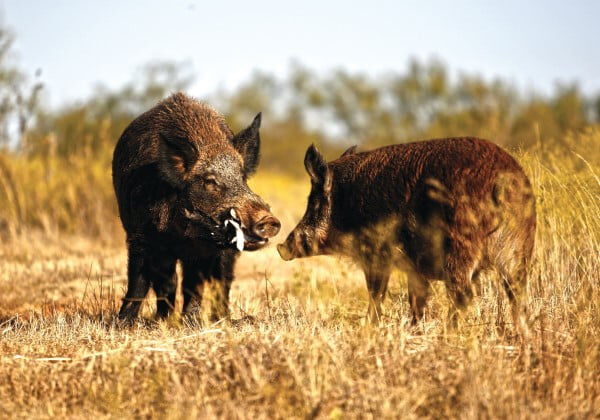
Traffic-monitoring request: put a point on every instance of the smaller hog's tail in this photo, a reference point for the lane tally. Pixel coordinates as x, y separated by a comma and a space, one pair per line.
512, 199
497, 218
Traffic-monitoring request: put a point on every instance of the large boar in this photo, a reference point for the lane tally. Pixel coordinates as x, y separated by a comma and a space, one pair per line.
442, 209
180, 176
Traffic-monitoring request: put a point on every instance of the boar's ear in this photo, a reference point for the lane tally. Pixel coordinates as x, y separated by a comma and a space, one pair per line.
349, 151
317, 168
247, 143
177, 158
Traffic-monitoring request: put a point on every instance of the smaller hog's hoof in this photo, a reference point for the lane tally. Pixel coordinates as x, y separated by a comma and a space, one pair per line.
192, 318
245, 320
416, 326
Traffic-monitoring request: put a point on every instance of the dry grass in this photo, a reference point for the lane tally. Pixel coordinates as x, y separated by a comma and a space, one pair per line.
309, 354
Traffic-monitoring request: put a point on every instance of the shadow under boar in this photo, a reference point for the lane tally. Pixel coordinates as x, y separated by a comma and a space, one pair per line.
442, 209
179, 175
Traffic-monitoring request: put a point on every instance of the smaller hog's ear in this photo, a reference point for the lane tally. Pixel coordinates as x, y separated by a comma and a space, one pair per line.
317, 169
177, 158
247, 143
349, 151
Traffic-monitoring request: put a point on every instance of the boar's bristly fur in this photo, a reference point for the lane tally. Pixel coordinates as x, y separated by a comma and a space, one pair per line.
179, 175
442, 209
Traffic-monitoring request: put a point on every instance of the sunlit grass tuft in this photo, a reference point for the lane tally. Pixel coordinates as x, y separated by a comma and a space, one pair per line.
308, 352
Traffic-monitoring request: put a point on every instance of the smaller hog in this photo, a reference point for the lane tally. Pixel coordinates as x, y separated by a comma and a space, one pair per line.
442, 209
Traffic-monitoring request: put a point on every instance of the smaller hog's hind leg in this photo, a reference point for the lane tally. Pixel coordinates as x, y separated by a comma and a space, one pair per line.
377, 282
418, 293
137, 287
512, 259
515, 286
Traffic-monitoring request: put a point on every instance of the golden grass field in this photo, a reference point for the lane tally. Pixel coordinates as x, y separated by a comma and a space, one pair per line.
309, 352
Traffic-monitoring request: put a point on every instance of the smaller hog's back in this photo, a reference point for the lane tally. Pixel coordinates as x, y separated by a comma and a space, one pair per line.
464, 187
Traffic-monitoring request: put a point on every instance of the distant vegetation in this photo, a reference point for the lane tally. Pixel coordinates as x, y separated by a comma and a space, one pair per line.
308, 355
55, 163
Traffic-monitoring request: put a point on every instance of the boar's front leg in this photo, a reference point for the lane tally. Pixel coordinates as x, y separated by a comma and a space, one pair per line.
377, 282
160, 270
137, 286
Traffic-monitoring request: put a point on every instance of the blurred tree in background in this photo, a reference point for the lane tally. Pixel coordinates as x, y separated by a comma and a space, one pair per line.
334, 110
55, 162
93, 126
18, 100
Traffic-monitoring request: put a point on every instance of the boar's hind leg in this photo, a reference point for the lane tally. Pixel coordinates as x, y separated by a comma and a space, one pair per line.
377, 282
222, 277
217, 273
195, 273
137, 287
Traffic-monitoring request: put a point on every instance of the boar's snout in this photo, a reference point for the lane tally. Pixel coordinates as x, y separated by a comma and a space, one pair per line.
267, 227
258, 225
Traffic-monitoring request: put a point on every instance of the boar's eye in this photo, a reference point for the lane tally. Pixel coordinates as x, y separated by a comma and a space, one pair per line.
211, 184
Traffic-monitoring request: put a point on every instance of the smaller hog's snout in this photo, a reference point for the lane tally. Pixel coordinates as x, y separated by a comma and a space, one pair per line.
302, 242
267, 227
284, 252
295, 246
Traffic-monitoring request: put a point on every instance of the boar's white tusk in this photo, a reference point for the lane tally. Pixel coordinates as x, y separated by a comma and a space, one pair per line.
233, 214
239, 234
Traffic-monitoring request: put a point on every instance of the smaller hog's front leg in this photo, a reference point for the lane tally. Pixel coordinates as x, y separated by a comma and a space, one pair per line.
460, 294
377, 282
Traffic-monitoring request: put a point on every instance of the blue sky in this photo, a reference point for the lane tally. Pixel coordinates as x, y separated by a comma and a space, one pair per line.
79, 43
